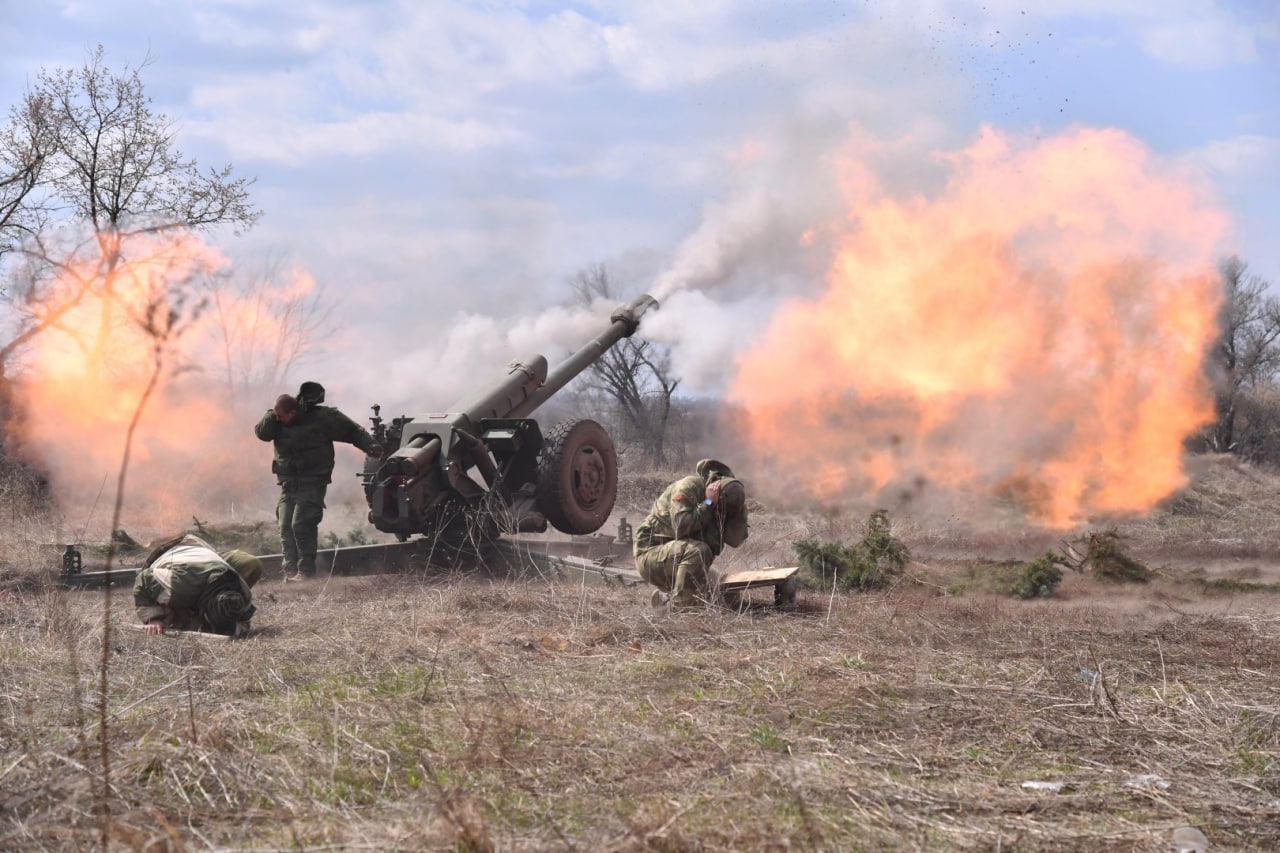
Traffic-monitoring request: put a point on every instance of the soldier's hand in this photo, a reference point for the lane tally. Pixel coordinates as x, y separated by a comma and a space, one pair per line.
377, 451
713, 492
153, 628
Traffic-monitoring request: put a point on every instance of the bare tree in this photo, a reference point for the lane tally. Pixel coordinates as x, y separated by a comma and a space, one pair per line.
635, 375
111, 175
25, 146
265, 319
1248, 351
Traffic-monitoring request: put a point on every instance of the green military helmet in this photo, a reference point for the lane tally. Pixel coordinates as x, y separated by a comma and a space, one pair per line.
712, 469
733, 494
227, 610
247, 566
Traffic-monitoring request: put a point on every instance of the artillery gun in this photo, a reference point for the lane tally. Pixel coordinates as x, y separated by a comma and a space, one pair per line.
485, 461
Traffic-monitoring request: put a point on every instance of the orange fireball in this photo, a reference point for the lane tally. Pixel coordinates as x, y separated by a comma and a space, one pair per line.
1036, 331
83, 382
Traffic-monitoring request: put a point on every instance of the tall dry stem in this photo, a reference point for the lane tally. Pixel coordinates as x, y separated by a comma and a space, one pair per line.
161, 321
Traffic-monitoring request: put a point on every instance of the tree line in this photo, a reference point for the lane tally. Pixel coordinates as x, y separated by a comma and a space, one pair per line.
90, 174
1246, 368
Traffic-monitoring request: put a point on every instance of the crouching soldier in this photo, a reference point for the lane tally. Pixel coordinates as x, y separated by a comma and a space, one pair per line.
185, 585
687, 528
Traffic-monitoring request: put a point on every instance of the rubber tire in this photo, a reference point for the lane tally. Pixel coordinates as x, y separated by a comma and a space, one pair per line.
577, 477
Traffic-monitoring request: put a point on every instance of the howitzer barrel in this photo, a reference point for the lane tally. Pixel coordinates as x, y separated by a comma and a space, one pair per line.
507, 394
623, 323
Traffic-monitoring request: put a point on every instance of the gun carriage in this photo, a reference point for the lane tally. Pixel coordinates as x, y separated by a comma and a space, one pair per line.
485, 461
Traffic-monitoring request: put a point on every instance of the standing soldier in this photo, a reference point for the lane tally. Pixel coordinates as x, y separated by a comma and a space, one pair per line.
185, 585
689, 525
303, 432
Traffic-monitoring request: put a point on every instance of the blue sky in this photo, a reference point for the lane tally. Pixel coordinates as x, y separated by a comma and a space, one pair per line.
443, 167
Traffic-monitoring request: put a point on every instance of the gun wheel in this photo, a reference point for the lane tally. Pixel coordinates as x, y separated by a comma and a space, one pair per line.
577, 477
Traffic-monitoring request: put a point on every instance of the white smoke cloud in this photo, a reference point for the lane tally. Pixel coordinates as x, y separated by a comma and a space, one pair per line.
476, 348
706, 333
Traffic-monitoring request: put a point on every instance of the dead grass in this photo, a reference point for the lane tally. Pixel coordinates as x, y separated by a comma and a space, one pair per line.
459, 712
1230, 509
393, 713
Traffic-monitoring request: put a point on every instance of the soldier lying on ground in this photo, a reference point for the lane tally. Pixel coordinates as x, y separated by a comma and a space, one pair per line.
687, 528
185, 585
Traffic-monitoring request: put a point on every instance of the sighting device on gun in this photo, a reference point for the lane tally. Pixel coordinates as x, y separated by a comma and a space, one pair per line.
426, 482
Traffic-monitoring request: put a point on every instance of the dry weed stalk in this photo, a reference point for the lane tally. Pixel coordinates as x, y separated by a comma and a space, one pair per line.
450, 710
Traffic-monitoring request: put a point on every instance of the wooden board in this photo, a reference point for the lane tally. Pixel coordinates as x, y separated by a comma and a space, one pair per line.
768, 576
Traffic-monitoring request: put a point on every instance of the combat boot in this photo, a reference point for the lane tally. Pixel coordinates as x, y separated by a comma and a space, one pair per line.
684, 599
682, 592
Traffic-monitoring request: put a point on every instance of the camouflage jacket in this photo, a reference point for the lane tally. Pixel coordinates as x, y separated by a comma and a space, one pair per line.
680, 512
304, 448
176, 583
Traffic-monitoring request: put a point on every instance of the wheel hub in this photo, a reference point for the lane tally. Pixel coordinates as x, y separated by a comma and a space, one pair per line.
589, 476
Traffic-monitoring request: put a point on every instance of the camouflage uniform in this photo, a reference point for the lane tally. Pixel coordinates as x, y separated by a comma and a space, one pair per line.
303, 465
676, 544
188, 586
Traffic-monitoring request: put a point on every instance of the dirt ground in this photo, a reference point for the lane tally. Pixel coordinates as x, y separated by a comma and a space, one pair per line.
450, 710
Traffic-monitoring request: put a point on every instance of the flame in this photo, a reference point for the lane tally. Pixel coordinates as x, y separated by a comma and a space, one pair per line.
193, 454
1036, 331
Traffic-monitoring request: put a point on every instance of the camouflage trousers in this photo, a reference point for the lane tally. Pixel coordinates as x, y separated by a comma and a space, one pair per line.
681, 567
298, 512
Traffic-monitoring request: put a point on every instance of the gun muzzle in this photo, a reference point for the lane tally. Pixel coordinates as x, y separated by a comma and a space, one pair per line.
631, 312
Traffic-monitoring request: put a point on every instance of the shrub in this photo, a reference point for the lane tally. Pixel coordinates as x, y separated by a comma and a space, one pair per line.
882, 549
1108, 562
828, 562
354, 538
872, 563
1039, 578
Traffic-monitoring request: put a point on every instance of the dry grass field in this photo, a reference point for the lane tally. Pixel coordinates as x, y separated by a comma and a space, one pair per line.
467, 711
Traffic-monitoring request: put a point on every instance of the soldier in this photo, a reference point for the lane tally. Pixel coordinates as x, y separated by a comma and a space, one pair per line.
303, 432
689, 525
185, 585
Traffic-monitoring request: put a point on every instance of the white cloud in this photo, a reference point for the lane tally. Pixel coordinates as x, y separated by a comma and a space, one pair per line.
1208, 41
1245, 170
1243, 160
468, 75
282, 139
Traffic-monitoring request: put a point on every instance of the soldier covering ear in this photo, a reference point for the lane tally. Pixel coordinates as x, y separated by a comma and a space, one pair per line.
687, 528
303, 463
